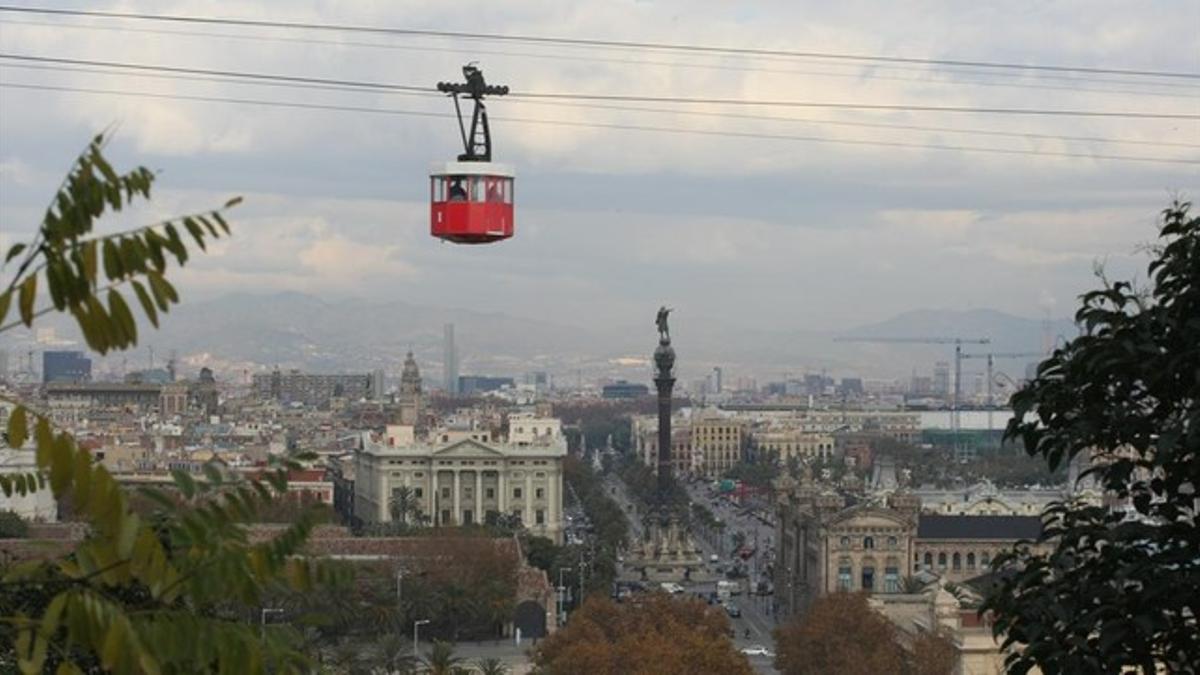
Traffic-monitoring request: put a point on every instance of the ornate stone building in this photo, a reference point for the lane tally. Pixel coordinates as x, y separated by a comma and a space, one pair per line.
827, 545
461, 476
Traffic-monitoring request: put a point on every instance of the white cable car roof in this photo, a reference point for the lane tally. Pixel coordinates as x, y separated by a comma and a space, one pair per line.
471, 169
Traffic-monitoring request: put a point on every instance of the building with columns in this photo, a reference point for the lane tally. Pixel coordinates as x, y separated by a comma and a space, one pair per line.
463, 476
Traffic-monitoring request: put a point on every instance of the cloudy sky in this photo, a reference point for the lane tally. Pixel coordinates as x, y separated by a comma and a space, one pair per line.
835, 225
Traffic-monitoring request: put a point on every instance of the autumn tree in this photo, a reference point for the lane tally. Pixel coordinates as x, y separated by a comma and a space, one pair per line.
840, 633
1119, 588
167, 592
652, 634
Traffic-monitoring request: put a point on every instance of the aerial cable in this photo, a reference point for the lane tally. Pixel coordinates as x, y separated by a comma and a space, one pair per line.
614, 126
682, 64
615, 44
1027, 135
839, 105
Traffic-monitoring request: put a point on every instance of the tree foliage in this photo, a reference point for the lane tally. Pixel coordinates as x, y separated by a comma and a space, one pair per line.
1120, 587
13, 526
170, 593
842, 634
653, 634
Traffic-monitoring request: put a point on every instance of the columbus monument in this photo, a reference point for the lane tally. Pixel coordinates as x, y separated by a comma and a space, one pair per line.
667, 551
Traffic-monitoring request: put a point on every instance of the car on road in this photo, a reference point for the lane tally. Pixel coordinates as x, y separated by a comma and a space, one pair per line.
757, 650
714, 558
733, 611
671, 587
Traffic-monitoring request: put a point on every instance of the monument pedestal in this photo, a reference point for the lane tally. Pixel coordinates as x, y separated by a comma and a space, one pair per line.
667, 553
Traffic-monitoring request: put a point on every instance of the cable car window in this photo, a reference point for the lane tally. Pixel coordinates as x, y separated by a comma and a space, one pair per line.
458, 189
495, 187
508, 190
477, 189
438, 186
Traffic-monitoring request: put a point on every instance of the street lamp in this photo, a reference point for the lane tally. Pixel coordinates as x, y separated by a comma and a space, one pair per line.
262, 630
562, 594
417, 625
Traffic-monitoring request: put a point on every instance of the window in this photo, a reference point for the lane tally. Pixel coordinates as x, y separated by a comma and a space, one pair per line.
941, 561
516, 493
971, 560
892, 542
891, 579
445, 517
928, 561
868, 578
845, 577
868, 542
418, 493
540, 517
984, 560
845, 542
540, 493
445, 493
477, 188
957, 565
517, 516
466, 517
490, 493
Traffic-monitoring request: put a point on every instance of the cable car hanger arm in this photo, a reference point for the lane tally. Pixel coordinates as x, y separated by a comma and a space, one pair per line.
478, 143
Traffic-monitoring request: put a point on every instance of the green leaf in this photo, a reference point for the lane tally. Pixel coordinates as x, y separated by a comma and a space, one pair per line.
122, 316
197, 233
175, 244
112, 260
89, 262
221, 221
28, 293
14, 252
147, 303
18, 429
5, 301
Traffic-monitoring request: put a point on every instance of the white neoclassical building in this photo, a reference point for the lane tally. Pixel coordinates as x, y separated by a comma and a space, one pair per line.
459, 477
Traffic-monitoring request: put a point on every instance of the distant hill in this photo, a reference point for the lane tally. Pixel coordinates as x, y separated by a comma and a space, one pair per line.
296, 330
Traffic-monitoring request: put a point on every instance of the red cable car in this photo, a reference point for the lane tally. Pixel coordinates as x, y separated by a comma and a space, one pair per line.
471, 200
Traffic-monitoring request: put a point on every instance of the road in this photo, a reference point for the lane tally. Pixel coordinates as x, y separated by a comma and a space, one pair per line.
756, 610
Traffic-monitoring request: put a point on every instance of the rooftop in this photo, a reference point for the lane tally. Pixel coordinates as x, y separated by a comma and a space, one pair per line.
931, 526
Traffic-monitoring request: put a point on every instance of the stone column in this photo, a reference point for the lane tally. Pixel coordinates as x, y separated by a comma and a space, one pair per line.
478, 508
456, 518
501, 495
434, 497
552, 501
528, 499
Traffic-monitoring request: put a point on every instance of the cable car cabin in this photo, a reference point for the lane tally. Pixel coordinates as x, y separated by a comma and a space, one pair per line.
471, 202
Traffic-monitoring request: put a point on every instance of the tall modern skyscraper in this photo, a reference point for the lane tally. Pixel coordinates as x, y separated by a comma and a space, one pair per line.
450, 359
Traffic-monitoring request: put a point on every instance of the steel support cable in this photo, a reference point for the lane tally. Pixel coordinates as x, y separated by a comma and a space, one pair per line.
629, 108
586, 42
615, 126
839, 105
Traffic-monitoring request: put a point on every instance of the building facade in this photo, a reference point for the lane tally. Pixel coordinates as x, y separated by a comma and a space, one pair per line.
65, 366
826, 546
311, 389
463, 477
412, 409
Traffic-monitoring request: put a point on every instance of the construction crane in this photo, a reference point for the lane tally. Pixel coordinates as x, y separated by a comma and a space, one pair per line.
958, 342
991, 357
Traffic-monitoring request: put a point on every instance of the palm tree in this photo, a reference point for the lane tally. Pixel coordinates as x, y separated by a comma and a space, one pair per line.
441, 659
403, 503
491, 666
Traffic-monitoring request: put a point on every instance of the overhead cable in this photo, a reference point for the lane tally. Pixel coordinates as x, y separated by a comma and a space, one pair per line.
838, 105
587, 42
615, 126
969, 131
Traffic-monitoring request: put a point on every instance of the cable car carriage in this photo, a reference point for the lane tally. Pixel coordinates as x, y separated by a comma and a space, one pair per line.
471, 200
